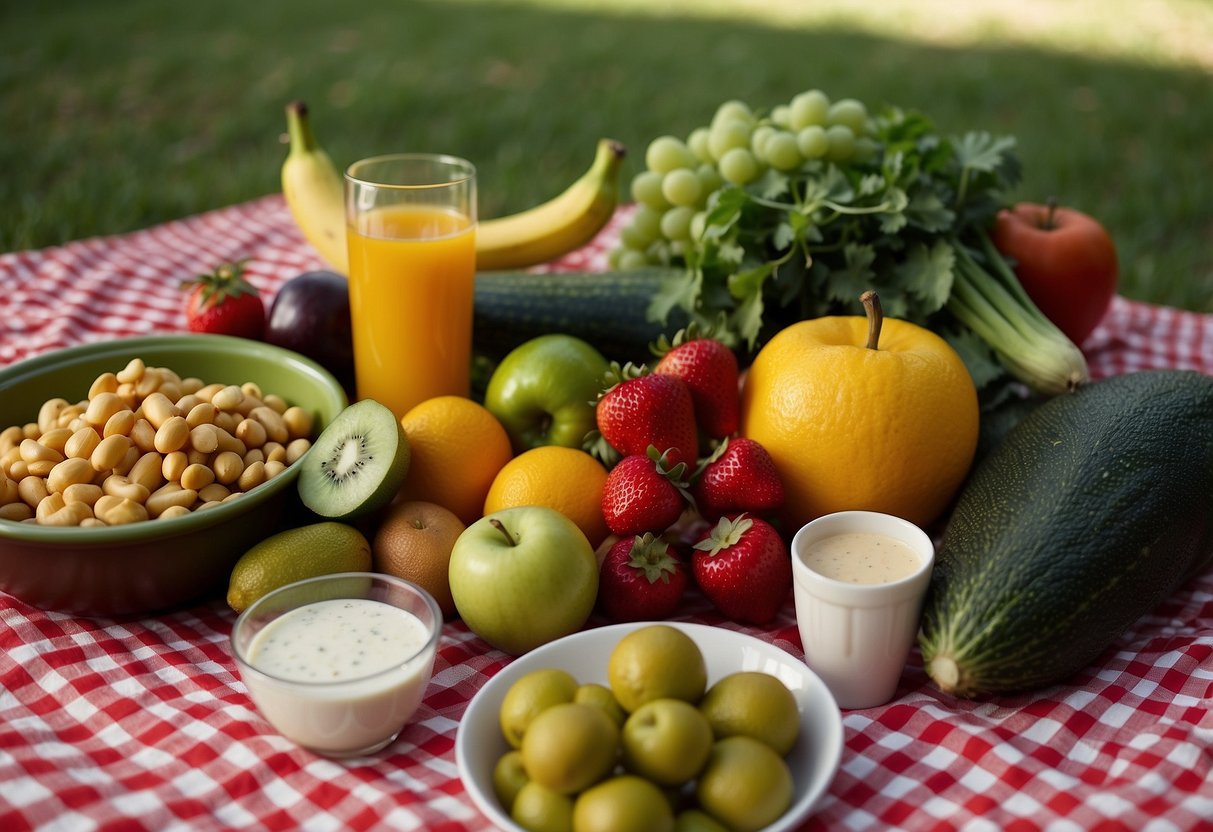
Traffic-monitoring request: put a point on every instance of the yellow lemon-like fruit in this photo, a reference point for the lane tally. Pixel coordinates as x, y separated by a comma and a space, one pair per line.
295, 554
530, 696
458, 447
855, 422
566, 479
656, 661
745, 784
570, 747
753, 704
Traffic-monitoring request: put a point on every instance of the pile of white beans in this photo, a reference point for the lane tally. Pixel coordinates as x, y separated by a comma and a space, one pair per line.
146, 444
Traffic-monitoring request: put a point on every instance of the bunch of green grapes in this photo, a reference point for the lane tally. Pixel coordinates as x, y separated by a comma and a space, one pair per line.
736, 149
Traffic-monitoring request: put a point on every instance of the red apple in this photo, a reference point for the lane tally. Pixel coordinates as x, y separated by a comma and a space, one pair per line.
1065, 260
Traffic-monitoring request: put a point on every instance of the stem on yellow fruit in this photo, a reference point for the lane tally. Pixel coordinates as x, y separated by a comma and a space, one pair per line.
499, 526
871, 306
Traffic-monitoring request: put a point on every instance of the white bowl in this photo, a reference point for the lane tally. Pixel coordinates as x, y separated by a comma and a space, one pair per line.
813, 760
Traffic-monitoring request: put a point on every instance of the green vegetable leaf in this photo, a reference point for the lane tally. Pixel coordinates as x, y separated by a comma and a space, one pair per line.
982, 151
785, 233
927, 274
928, 212
871, 183
855, 275
724, 210
678, 291
893, 218
747, 319
730, 254
983, 365
745, 284
773, 185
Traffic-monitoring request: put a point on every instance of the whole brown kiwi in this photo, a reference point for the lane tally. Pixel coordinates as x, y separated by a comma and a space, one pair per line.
414, 542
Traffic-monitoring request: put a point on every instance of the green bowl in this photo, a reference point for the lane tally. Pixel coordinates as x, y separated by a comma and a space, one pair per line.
157, 564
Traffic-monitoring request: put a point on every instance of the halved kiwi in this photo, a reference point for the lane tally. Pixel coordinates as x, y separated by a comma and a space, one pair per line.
357, 464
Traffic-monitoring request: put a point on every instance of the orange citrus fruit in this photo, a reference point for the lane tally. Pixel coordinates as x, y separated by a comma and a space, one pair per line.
457, 449
566, 479
891, 429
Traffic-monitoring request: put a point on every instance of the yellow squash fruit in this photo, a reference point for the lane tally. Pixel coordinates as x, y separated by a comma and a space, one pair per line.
890, 428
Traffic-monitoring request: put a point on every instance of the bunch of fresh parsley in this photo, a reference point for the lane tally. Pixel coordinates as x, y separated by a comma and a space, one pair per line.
908, 220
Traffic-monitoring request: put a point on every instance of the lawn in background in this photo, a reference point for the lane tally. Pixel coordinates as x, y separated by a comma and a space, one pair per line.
116, 116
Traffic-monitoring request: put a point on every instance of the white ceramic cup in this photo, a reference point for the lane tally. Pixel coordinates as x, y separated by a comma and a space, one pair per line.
857, 636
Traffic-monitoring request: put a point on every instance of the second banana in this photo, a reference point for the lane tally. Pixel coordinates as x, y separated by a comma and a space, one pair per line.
312, 188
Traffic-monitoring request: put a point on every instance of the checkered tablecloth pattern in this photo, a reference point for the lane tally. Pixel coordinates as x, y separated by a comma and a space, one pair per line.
144, 724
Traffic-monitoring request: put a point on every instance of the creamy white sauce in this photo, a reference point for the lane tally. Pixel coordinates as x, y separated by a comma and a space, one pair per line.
331, 641
862, 558
342, 676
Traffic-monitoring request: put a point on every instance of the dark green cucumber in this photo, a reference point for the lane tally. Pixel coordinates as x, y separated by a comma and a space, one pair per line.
607, 309
997, 422
1093, 510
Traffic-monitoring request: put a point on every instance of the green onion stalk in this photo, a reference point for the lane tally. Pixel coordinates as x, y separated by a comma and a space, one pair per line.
993, 304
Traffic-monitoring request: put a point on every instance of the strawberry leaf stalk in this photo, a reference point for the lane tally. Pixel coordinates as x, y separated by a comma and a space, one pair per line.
744, 568
644, 493
709, 369
223, 302
641, 580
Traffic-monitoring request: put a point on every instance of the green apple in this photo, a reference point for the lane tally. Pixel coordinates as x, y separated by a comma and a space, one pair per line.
522, 577
544, 390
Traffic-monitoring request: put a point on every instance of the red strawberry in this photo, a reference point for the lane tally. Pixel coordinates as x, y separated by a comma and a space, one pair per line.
744, 568
709, 368
223, 302
739, 476
641, 580
644, 494
645, 409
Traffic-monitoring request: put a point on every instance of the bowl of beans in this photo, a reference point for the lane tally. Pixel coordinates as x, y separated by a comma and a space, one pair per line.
135, 472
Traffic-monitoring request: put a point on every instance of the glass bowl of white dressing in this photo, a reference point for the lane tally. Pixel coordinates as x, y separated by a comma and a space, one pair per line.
340, 663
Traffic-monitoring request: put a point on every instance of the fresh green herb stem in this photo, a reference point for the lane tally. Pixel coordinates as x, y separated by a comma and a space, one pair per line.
807, 208
1007, 277
1032, 348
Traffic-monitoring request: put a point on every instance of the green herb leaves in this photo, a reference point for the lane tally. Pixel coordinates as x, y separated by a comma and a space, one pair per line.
805, 243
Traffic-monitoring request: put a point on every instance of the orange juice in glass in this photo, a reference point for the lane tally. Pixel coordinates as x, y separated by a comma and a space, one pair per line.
411, 226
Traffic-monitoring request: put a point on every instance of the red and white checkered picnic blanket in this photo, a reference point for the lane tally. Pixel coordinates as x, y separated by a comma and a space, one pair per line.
144, 724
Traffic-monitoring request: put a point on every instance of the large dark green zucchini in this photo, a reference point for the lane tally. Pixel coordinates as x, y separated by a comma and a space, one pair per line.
1094, 509
608, 310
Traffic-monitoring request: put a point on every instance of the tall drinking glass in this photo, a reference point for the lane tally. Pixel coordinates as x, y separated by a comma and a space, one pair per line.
411, 226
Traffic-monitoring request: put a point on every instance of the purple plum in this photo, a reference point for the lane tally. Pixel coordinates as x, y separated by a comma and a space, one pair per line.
311, 315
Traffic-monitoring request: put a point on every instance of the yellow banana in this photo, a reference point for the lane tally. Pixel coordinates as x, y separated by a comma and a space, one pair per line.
558, 226
314, 194
314, 191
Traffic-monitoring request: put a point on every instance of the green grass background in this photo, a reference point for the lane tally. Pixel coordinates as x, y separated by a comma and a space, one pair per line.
119, 115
